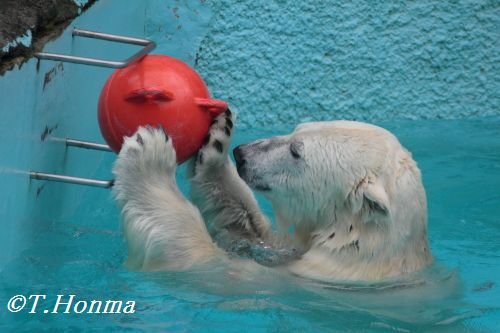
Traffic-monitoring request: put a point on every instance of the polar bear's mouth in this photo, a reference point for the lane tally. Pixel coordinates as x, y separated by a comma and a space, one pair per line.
254, 182
261, 187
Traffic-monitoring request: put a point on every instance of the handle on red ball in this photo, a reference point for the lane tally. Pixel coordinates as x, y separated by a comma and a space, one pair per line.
148, 95
214, 106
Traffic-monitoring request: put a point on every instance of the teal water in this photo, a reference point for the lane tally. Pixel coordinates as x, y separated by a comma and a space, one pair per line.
460, 162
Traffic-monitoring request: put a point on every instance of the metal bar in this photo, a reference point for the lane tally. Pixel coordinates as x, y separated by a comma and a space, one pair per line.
80, 60
110, 37
87, 145
147, 44
72, 180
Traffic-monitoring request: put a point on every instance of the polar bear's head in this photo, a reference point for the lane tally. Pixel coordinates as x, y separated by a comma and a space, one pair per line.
341, 183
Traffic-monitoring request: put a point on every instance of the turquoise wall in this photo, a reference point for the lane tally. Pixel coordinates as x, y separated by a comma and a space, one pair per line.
286, 61
44, 101
290, 61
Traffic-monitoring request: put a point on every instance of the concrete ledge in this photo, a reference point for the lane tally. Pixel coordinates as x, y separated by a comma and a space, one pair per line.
26, 25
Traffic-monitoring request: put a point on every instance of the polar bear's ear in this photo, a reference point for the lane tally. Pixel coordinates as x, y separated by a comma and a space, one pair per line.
376, 200
372, 201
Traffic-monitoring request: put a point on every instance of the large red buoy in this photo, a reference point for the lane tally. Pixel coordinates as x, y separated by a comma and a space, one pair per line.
158, 90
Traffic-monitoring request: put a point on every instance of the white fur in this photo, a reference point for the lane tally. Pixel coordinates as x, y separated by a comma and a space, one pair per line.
161, 227
352, 194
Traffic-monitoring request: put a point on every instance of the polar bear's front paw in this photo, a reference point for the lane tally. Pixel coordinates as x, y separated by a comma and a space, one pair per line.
213, 153
148, 152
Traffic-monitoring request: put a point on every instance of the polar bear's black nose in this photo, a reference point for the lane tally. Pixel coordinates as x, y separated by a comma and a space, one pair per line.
238, 156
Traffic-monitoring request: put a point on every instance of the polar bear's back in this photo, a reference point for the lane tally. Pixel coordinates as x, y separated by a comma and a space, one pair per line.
346, 125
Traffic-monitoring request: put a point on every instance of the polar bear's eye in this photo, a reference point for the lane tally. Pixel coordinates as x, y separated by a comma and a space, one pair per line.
296, 148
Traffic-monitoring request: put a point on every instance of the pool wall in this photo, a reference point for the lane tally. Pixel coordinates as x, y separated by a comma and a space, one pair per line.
294, 61
274, 61
44, 102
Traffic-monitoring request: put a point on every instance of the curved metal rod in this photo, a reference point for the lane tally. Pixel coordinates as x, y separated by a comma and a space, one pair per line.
148, 46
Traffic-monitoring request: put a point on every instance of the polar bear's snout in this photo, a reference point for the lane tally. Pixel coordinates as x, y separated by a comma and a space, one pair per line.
238, 156
246, 155
248, 158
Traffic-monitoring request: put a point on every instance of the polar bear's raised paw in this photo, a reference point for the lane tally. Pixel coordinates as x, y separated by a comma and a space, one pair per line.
213, 153
148, 151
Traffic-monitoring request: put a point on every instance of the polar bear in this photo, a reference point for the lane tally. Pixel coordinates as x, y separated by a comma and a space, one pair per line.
348, 199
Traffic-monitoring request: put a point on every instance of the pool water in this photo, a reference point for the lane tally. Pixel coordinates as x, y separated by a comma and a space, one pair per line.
460, 163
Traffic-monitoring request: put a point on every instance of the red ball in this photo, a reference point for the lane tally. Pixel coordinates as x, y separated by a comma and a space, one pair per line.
158, 90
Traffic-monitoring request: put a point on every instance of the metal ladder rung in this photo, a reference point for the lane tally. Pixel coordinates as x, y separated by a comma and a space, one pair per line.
70, 179
148, 46
86, 145
76, 180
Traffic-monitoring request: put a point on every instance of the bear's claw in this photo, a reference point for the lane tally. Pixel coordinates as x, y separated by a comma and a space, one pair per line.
139, 139
161, 128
